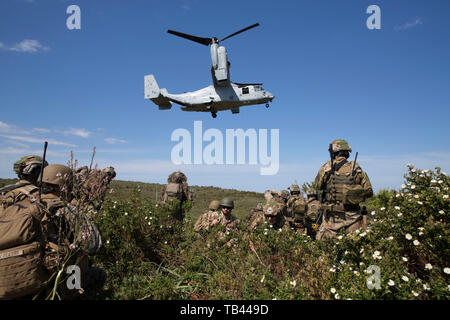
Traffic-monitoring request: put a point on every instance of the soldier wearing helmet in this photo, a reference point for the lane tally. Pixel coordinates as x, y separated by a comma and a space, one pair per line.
69, 222
342, 185
28, 168
209, 218
57, 180
226, 218
296, 209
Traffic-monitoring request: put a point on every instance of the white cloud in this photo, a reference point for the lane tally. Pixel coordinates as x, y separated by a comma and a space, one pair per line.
77, 132
41, 130
114, 140
10, 128
408, 25
26, 45
37, 140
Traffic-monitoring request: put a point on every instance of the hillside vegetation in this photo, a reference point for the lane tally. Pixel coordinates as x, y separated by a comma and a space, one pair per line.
403, 254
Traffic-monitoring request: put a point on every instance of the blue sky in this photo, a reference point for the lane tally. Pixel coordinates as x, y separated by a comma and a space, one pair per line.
386, 91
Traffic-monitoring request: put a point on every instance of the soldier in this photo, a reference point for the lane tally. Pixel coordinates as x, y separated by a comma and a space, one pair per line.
61, 221
312, 213
296, 210
209, 218
226, 218
177, 189
343, 185
273, 212
28, 168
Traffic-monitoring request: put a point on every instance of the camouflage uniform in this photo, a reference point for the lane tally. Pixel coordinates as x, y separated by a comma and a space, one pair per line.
343, 191
271, 209
209, 218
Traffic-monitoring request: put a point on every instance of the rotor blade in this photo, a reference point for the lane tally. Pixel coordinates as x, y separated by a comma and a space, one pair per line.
204, 41
245, 29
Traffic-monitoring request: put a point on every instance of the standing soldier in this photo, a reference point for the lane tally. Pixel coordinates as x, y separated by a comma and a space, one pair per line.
343, 186
177, 189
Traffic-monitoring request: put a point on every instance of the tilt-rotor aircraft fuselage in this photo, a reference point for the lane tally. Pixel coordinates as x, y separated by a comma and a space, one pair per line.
222, 95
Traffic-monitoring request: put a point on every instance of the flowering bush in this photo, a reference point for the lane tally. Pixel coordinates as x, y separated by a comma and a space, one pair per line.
403, 254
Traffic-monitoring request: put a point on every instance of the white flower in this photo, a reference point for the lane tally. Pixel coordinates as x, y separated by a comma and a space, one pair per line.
408, 236
332, 270
333, 290
362, 234
126, 213
390, 238
263, 278
428, 266
397, 208
426, 287
415, 293
420, 202
356, 272
433, 181
107, 241
399, 214
403, 186
416, 242
413, 187
336, 296
447, 270
441, 212
404, 259
373, 213
149, 223
362, 250
445, 196
340, 237
382, 208
165, 242
293, 283
405, 278
416, 196
391, 283
420, 233
265, 233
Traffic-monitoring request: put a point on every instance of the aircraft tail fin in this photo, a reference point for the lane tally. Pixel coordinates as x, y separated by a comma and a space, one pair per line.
154, 93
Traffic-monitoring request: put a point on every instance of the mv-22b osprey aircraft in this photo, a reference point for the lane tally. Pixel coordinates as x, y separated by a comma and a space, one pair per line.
222, 95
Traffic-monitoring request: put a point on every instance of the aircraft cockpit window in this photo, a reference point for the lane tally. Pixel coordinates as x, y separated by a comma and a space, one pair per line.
257, 88
245, 90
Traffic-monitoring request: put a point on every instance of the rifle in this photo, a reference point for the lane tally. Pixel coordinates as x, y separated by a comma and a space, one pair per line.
42, 169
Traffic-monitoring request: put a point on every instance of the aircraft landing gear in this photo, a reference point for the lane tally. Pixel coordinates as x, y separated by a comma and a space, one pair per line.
267, 105
214, 114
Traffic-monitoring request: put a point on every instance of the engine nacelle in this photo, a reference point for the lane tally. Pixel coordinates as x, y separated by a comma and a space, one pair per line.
220, 66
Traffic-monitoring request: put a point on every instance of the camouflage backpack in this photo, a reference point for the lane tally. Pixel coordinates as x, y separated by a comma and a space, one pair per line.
174, 191
297, 207
22, 270
176, 188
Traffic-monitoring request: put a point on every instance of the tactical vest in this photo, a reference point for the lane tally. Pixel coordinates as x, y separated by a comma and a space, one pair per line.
343, 189
22, 270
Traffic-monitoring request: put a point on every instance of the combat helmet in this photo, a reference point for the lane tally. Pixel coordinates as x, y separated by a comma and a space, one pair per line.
272, 208
56, 174
294, 188
284, 194
28, 167
340, 145
227, 202
214, 205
